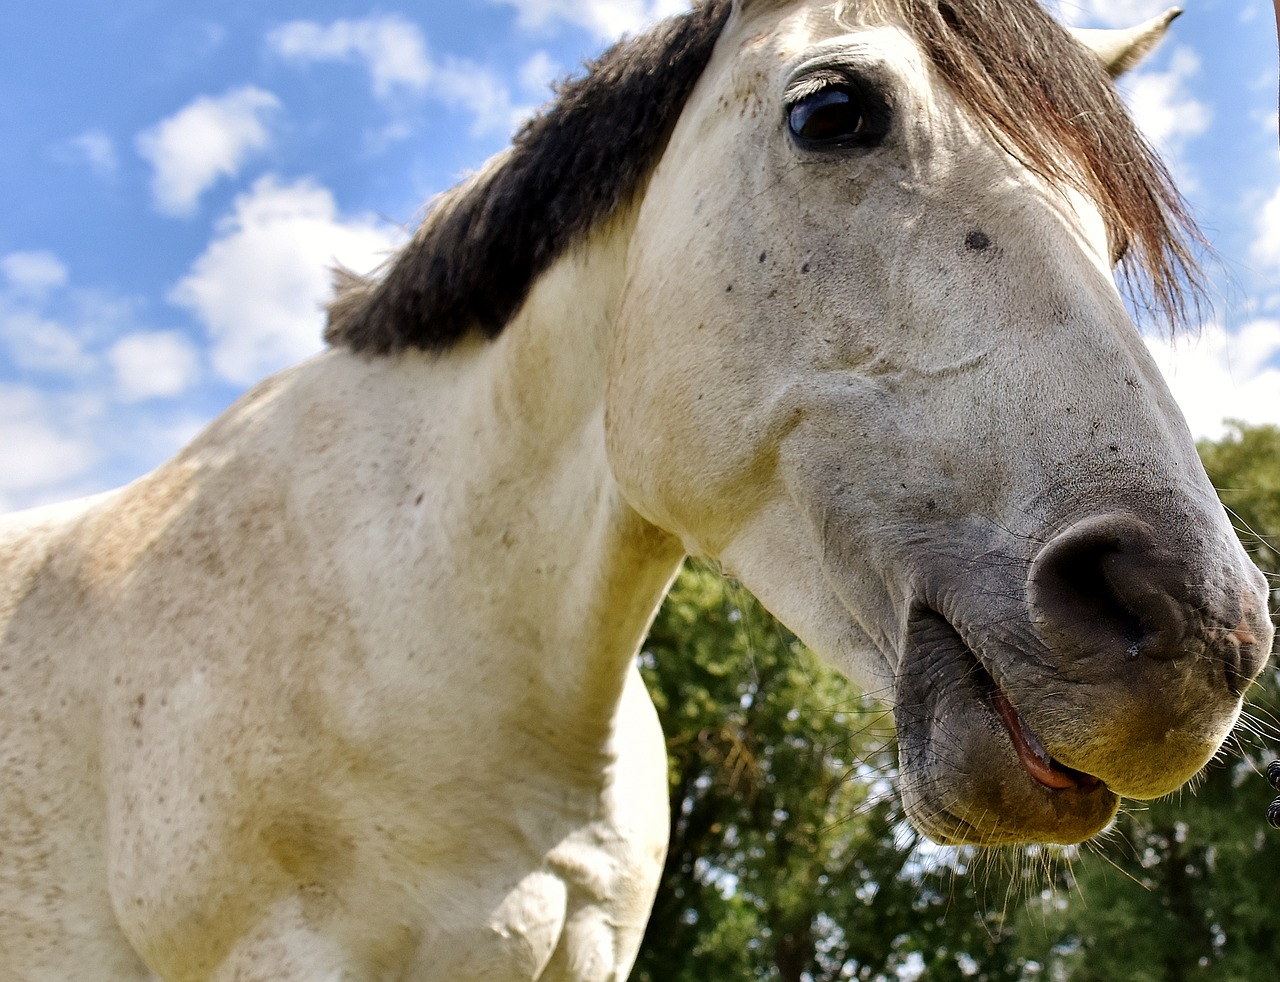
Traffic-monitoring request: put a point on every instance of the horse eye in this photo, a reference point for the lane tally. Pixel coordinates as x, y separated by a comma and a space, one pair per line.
835, 116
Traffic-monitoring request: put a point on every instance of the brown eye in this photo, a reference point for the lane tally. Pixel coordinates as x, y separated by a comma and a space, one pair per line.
836, 116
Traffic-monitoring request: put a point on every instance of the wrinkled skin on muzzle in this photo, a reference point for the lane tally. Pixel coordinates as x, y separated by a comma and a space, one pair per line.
1088, 636
901, 399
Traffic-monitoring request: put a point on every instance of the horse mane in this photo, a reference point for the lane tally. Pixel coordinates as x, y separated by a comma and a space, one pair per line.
483, 244
1045, 98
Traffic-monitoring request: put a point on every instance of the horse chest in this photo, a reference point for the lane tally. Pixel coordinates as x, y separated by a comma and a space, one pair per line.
492, 910
517, 860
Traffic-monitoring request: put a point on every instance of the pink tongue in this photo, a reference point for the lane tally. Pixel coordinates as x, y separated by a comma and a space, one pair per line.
1033, 756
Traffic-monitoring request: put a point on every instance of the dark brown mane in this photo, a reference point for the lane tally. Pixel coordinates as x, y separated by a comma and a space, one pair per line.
482, 246
472, 263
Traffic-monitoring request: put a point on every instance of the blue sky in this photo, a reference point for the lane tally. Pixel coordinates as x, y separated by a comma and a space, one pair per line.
177, 177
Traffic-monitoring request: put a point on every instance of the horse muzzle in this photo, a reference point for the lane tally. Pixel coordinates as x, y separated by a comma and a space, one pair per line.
1107, 585
1120, 675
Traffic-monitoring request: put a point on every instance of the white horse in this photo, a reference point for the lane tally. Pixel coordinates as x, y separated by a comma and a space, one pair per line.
822, 291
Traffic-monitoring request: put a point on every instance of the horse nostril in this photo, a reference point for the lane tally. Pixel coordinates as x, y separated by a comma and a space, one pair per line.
1104, 585
1107, 587
1245, 649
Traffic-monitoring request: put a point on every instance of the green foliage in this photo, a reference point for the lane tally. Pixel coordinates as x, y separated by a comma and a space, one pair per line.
1245, 468
790, 859
789, 856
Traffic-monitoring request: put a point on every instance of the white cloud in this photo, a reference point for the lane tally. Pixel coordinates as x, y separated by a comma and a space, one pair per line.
1266, 247
394, 52
34, 451
55, 446
1165, 111
391, 48
1270, 121
1110, 13
207, 139
538, 73
76, 361
606, 19
33, 273
464, 85
40, 344
260, 286
93, 147
153, 364
35, 341
1218, 376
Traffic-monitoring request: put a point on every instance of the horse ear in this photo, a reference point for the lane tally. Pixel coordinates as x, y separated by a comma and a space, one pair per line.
1121, 50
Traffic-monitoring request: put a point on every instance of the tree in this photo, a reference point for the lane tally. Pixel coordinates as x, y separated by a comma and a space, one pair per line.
1245, 468
789, 856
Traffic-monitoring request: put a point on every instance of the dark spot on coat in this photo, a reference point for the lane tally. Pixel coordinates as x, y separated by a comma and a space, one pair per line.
762, 256
804, 268
978, 239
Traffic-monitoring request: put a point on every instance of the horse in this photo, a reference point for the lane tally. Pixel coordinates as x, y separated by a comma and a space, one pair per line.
824, 292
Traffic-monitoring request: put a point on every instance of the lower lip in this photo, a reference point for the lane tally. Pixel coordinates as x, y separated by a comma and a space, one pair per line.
1035, 760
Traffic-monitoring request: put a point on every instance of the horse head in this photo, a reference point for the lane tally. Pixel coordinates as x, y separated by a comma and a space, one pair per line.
871, 356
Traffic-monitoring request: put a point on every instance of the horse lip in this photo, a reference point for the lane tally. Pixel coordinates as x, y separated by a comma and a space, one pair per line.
1034, 758
980, 797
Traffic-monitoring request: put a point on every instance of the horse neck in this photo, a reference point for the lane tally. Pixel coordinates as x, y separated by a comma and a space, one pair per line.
547, 566
605, 568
